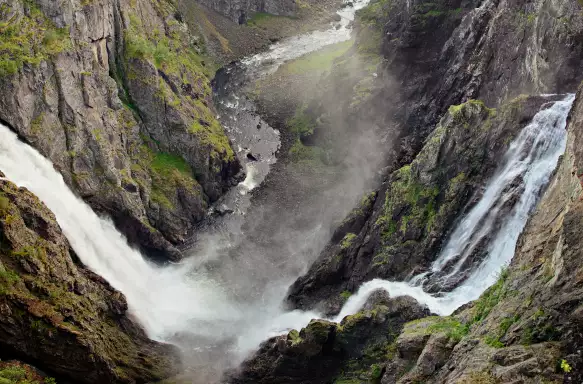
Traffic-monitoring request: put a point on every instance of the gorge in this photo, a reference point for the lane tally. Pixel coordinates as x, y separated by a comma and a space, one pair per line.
383, 192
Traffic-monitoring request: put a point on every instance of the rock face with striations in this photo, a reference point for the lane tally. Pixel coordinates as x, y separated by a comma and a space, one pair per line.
117, 95
58, 315
241, 10
435, 55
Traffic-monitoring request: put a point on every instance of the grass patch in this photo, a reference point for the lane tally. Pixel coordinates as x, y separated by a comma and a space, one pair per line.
318, 61
30, 39
8, 279
347, 240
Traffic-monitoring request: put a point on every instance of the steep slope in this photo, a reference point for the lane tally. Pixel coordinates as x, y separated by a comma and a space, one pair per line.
57, 314
412, 217
526, 328
117, 95
434, 55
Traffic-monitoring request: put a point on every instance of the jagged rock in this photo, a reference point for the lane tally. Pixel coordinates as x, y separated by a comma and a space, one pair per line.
59, 315
323, 349
405, 226
240, 11
115, 95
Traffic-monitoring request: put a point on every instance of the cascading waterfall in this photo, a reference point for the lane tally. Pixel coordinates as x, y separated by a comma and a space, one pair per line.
165, 300
530, 160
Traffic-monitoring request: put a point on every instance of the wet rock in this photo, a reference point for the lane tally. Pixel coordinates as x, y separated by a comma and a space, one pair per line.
320, 351
224, 209
59, 314
251, 157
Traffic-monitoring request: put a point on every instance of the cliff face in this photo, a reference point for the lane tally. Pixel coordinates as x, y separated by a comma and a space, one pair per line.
410, 220
433, 56
58, 315
117, 95
240, 11
526, 328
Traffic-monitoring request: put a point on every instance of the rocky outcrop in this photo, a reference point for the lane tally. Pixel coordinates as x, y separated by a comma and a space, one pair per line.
58, 315
240, 11
402, 231
433, 55
322, 351
526, 328
117, 95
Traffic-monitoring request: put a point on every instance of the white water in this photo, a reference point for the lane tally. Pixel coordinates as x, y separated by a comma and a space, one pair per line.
533, 155
175, 299
293, 47
164, 300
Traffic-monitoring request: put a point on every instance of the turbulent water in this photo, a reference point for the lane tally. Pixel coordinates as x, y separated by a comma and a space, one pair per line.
524, 172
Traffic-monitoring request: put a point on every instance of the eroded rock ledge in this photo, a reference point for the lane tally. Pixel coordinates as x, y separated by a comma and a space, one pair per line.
117, 95
58, 315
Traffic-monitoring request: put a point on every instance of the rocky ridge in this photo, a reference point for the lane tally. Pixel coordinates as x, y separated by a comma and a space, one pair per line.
117, 95
58, 315
420, 75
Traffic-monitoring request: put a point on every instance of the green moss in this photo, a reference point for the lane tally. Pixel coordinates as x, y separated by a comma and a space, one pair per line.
415, 202
4, 203
260, 19
294, 337
347, 240
319, 61
30, 39
167, 172
345, 295
490, 297
8, 280
451, 326
212, 134
493, 341
31, 252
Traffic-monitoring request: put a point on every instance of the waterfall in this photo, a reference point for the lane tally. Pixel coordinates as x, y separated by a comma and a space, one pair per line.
165, 300
525, 170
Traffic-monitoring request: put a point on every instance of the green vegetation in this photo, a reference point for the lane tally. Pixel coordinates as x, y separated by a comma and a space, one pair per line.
345, 295
212, 134
347, 240
168, 172
4, 202
173, 54
419, 200
491, 297
16, 373
29, 39
319, 61
169, 52
450, 326
264, 19
565, 366
294, 337
8, 279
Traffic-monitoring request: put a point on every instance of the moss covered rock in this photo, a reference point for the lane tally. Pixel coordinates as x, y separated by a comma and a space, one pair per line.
106, 90
402, 230
58, 314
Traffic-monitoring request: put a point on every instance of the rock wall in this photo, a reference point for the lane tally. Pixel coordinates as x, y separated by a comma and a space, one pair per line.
117, 94
58, 315
240, 11
435, 55
526, 328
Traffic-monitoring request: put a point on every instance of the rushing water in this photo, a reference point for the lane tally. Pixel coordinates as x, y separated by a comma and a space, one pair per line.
525, 170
